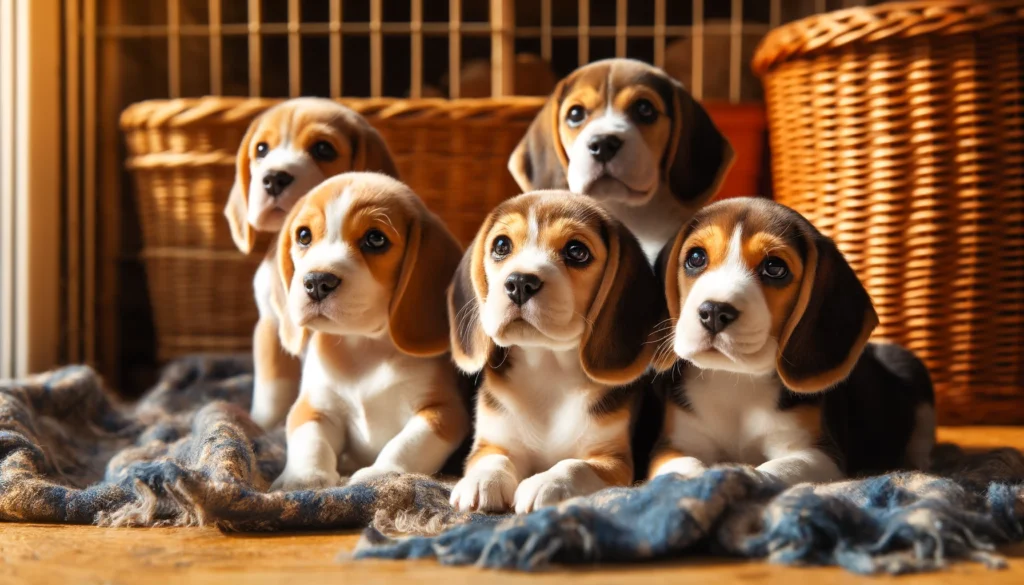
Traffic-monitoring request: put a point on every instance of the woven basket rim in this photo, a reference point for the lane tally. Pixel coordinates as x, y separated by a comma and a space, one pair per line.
229, 110
890, 21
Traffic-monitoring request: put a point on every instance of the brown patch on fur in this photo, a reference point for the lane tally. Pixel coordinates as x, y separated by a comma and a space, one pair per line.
780, 299
275, 362
482, 449
809, 418
301, 413
443, 409
662, 455
615, 468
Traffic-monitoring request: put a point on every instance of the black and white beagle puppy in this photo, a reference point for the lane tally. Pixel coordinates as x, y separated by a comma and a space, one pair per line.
770, 360
633, 138
288, 150
555, 304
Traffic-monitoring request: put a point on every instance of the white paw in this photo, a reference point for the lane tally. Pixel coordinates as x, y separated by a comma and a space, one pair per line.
312, 479
684, 466
485, 490
368, 474
544, 489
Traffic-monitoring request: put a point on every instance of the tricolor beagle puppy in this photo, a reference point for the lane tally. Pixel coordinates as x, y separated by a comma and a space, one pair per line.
632, 137
287, 151
555, 303
772, 362
364, 267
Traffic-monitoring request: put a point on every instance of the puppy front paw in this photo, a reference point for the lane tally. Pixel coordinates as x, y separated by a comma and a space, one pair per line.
485, 490
542, 490
371, 473
312, 479
685, 466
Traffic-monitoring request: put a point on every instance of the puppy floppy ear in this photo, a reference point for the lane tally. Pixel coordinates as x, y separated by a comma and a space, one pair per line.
293, 337
372, 153
237, 208
628, 305
418, 316
698, 155
472, 348
540, 160
830, 323
667, 270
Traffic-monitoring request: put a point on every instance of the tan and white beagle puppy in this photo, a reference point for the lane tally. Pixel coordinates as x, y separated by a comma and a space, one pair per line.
287, 151
772, 365
633, 138
364, 268
554, 303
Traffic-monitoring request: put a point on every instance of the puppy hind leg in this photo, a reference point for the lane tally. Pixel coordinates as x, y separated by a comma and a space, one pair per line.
276, 376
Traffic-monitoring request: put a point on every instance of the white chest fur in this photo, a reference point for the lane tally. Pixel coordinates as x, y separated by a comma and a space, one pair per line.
368, 388
546, 399
654, 223
735, 418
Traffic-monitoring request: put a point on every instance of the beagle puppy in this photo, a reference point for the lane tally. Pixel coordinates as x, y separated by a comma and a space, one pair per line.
770, 359
633, 138
364, 267
554, 303
287, 151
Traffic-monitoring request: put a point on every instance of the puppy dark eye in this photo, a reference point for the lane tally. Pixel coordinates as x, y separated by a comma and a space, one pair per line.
774, 267
575, 116
303, 236
645, 112
696, 259
323, 151
501, 247
576, 253
375, 241
262, 149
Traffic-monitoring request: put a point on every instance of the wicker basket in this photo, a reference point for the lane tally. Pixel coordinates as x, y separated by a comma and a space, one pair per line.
899, 131
453, 153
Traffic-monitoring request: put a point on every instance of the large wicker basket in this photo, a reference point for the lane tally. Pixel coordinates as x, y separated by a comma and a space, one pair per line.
899, 131
453, 154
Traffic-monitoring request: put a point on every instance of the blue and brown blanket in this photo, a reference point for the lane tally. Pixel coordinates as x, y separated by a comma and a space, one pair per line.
188, 454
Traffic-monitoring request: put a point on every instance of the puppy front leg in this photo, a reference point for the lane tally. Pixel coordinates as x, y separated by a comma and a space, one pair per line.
573, 477
276, 375
489, 484
807, 465
314, 441
668, 459
423, 445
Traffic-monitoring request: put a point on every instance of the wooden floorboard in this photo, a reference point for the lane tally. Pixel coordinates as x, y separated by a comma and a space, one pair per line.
83, 554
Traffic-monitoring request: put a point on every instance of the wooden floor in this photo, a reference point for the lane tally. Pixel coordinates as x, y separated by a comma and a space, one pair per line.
78, 554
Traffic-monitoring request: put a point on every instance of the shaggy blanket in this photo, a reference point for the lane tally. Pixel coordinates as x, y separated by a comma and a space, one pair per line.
188, 454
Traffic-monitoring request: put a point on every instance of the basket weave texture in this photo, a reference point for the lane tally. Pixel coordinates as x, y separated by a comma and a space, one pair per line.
182, 156
899, 131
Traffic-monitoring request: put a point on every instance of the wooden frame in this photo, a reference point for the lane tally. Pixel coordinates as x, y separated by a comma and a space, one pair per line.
30, 186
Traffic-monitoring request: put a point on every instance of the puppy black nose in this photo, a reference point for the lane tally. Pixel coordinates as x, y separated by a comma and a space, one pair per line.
320, 284
520, 287
603, 148
716, 316
275, 182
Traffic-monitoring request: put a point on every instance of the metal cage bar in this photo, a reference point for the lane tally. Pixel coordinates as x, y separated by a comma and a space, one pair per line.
659, 33
294, 49
583, 31
736, 51
216, 49
72, 180
454, 48
255, 48
416, 50
620, 28
335, 48
376, 48
174, 48
697, 42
